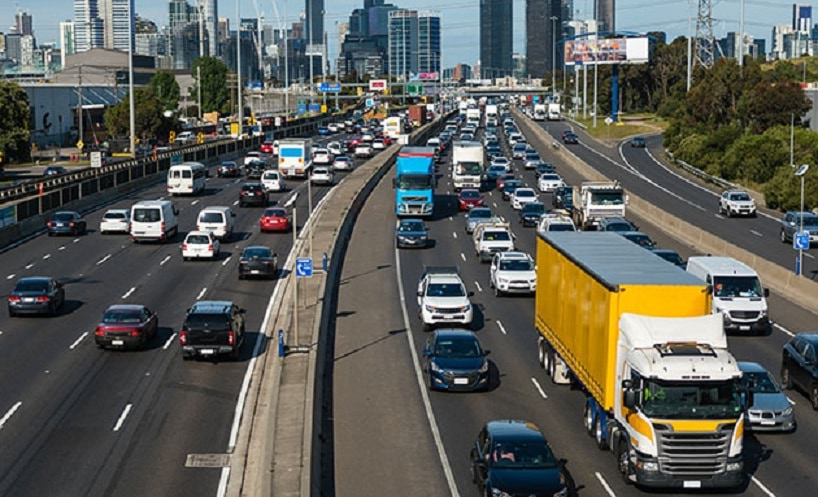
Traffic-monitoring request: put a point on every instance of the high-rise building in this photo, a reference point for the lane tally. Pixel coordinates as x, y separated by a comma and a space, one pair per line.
801, 18
520, 67
343, 29
122, 24
428, 42
14, 47
314, 10
496, 39
211, 21
27, 49
403, 43
780, 31
223, 29
88, 29
67, 42
462, 72
605, 14
151, 44
22, 23
538, 36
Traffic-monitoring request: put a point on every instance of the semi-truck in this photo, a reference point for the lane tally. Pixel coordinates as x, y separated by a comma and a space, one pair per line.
635, 334
467, 164
594, 200
295, 157
415, 181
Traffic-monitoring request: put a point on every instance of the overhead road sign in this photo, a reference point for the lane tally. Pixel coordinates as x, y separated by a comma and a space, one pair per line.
329, 88
377, 84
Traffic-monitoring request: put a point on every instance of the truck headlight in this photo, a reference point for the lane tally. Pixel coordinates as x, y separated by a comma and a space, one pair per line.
733, 466
650, 466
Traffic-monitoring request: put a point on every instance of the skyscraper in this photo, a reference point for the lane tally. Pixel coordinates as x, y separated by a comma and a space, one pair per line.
314, 27
22, 23
496, 40
801, 18
428, 42
605, 14
540, 36
403, 43
121, 24
211, 20
87, 25
67, 43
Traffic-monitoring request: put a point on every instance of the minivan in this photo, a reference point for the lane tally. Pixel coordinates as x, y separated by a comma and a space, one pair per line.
736, 291
216, 219
154, 220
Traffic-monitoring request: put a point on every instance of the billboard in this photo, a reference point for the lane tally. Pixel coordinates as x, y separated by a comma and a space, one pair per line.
606, 51
377, 84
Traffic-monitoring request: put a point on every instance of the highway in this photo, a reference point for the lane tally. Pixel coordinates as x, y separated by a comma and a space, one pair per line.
641, 171
778, 465
76, 420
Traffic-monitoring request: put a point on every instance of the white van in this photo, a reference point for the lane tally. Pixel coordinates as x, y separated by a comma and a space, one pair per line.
218, 220
154, 220
737, 292
187, 178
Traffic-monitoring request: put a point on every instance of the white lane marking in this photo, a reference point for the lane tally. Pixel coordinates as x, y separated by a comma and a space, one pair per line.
161, 198
163, 261
462, 256
76, 240
77, 341
424, 394
785, 330
223, 479
236, 202
479, 288
502, 328
62, 247
762, 487
502, 219
194, 202
102, 261
11, 276
201, 294
756, 233
46, 257
169, 342
807, 254
30, 266
129, 292
494, 204
450, 218
9, 413
121, 420
539, 388
491, 194
454, 234
605, 484
227, 260
719, 216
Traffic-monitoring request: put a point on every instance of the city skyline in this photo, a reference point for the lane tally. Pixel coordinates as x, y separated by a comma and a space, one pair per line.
459, 39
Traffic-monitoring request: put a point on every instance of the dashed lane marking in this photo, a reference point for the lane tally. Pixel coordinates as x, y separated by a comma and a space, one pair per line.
163, 261
807, 254
29, 266
454, 234
784, 330
538, 387
719, 216
194, 202
121, 420
75, 240
762, 487
46, 257
11, 276
226, 261
169, 342
462, 256
9, 414
129, 292
77, 341
62, 247
502, 328
102, 261
604, 484
236, 202
479, 288
201, 294
756, 233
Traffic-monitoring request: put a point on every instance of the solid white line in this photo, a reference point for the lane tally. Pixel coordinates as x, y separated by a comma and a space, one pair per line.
785, 330
539, 388
762, 487
479, 289
756, 233
46, 257
11, 276
102, 261
77, 341
9, 414
605, 484
719, 216
454, 234
163, 261
76, 240
201, 294
129, 292
30, 266
121, 420
227, 260
424, 394
502, 328
223, 479
169, 342
62, 247
462, 256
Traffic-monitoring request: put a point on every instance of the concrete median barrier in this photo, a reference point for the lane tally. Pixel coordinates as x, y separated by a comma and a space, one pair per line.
800, 290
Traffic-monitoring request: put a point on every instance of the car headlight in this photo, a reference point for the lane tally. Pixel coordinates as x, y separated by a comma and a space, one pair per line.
498, 493
503, 281
763, 313
435, 368
485, 367
787, 411
430, 308
465, 308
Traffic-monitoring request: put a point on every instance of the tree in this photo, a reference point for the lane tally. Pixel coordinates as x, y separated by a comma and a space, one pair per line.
14, 120
165, 87
149, 120
767, 105
215, 95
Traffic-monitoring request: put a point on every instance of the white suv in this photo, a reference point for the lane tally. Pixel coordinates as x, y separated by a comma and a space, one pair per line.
512, 272
737, 203
200, 245
442, 298
491, 238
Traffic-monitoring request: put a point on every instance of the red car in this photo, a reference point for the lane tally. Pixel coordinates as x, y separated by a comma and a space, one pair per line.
274, 219
266, 147
352, 143
469, 198
501, 181
386, 140
126, 326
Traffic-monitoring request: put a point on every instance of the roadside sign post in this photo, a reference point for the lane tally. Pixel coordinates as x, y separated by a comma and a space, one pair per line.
96, 159
799, 237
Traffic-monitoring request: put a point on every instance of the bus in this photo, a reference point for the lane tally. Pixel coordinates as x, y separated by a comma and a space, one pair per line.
187, 178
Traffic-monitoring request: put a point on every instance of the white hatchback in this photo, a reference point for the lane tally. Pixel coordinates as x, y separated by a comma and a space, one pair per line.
272, 181
115, 221
335, 148
200, 245
342, 163
321, 175
321, 156
522, 196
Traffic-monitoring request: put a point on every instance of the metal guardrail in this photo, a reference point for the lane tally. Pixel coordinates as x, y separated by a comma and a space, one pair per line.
699, 173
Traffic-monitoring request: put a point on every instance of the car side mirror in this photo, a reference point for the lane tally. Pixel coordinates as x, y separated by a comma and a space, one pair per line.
486, 353
629, 399
766, 292
627, 384
471, 294
420, 293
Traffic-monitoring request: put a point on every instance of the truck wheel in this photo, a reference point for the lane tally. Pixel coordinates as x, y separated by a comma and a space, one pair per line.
786, 379
599, 434
622, 459
551, 366
588, 419
541, 354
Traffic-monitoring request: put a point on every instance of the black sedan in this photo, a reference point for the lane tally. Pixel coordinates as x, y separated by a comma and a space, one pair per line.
570, 138
531, 213
456, 361
252, 194
638, 142
563, 198
67, 223
258, 261
54, 171
36, 295
510, 186
255, 169
411, 233
639, 238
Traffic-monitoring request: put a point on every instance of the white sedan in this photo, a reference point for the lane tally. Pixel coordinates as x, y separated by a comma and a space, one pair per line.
115, 221
502, 161
522, 196
200, 245
342, 163
272, 181
378, 144
322, 156
321, 175
549, 182
335, 148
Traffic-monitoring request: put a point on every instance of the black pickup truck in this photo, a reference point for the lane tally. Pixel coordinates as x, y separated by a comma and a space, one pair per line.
212, 328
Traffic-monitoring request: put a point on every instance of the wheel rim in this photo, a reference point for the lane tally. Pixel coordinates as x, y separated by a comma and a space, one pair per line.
623, 459
541, 355
783, 236
785, 376
815, 397
589, 419
598, 431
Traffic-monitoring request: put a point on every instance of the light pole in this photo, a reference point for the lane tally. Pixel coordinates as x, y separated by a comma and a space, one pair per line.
554, 54
130, 81
689, 44
238, 67
800, 172
291, 203
309, 46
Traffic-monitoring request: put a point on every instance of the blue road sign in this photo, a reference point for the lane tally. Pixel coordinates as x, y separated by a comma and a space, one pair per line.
329, 87
302, 108
315, 107
303, 267
801, 240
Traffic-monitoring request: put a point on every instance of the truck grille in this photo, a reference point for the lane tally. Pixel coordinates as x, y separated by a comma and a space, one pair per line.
409, 199
693, 454
744, 314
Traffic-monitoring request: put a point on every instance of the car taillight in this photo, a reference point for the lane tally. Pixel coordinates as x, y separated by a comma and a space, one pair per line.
210, 247
14, 298
50, 224
43, 298
162, 226
198, 227
71, 224
183, 337
231, 337
184, 246
135, 333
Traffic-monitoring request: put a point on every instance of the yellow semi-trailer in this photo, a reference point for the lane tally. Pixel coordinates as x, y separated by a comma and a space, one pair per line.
636, 334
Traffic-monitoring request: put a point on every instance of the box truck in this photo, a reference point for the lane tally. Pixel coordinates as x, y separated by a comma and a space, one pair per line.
467, 164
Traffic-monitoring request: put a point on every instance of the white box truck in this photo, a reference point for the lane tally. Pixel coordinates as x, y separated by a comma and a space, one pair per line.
467, 164
295, 157
540, 111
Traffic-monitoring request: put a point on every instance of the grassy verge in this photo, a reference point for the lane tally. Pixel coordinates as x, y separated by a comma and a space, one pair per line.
631, 125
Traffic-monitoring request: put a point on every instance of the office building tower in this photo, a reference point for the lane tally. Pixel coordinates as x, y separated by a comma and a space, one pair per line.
801, 18
428, 42
211, 21
67, 43
27, 49
403, 43
496, 39
22, 23
605, 14
520, 67
88, 27
121, 24
343, 29
314, 28
538, 27
14, 47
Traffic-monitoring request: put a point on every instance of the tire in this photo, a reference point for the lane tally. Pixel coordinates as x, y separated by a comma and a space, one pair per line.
599, 435
622, 460
813, 397
497, 292
588, 419
541, 354
783, 236
786, 378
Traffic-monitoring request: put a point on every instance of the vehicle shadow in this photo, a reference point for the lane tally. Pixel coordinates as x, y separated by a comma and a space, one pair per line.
445, 206
69, 307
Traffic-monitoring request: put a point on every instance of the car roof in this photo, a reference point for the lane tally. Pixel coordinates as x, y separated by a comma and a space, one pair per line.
608, 220
444, 278
455, 333
198, 233
633, 233
117, 210
253, 184
35, 279
211, 306
410, 220
255, 247
125, 307
751, 367
811, 337
509, 429
513, 255
521, 190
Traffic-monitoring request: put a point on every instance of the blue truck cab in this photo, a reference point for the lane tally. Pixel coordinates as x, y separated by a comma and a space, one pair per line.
415, 182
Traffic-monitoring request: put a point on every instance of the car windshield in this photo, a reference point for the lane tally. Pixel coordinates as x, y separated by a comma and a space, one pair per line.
198, 239
533, 208
32, 286
458, 348
736, 286
522, 455
522, 193
512, 184
672, 257
479, 214
411, 226
759, 382
275, 213
607, 198
516, 265
211, 217
114, 215
500, 160
519, 147
470, 194
618, 227
260, 252
691, 400
250, 188
497, 168
445, 290
415, 182
740, 197
496, 236
122, 317
550, 177
270, 175
146, 215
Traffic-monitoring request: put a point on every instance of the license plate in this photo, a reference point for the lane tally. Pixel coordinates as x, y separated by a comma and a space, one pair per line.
768, 423
60, 224
28, 299
692, 484
207, 351
461, 381
117, 342
254, 271
744, 328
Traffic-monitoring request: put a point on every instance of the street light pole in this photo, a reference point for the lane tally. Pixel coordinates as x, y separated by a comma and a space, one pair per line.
238, 67
130, 80
289, 203
309, 47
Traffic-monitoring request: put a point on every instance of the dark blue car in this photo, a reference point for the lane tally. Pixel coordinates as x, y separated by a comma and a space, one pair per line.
456, 361
671, 256
411, 233
531, 213
799, 367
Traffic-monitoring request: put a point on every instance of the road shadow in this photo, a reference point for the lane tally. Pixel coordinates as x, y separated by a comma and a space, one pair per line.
69, 307
365, 273
389, 334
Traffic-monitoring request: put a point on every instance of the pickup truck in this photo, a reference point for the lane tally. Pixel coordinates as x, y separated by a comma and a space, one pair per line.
212, 328
490, 238
442, 298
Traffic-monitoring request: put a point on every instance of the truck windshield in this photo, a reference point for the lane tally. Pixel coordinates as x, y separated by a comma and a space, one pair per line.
468, 168
736, 286
688, 400
414, 182
607, 198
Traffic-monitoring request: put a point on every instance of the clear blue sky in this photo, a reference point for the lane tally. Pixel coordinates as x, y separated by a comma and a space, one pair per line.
459, 17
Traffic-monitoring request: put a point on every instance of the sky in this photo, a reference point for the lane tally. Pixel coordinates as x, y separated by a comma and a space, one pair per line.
459, 18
